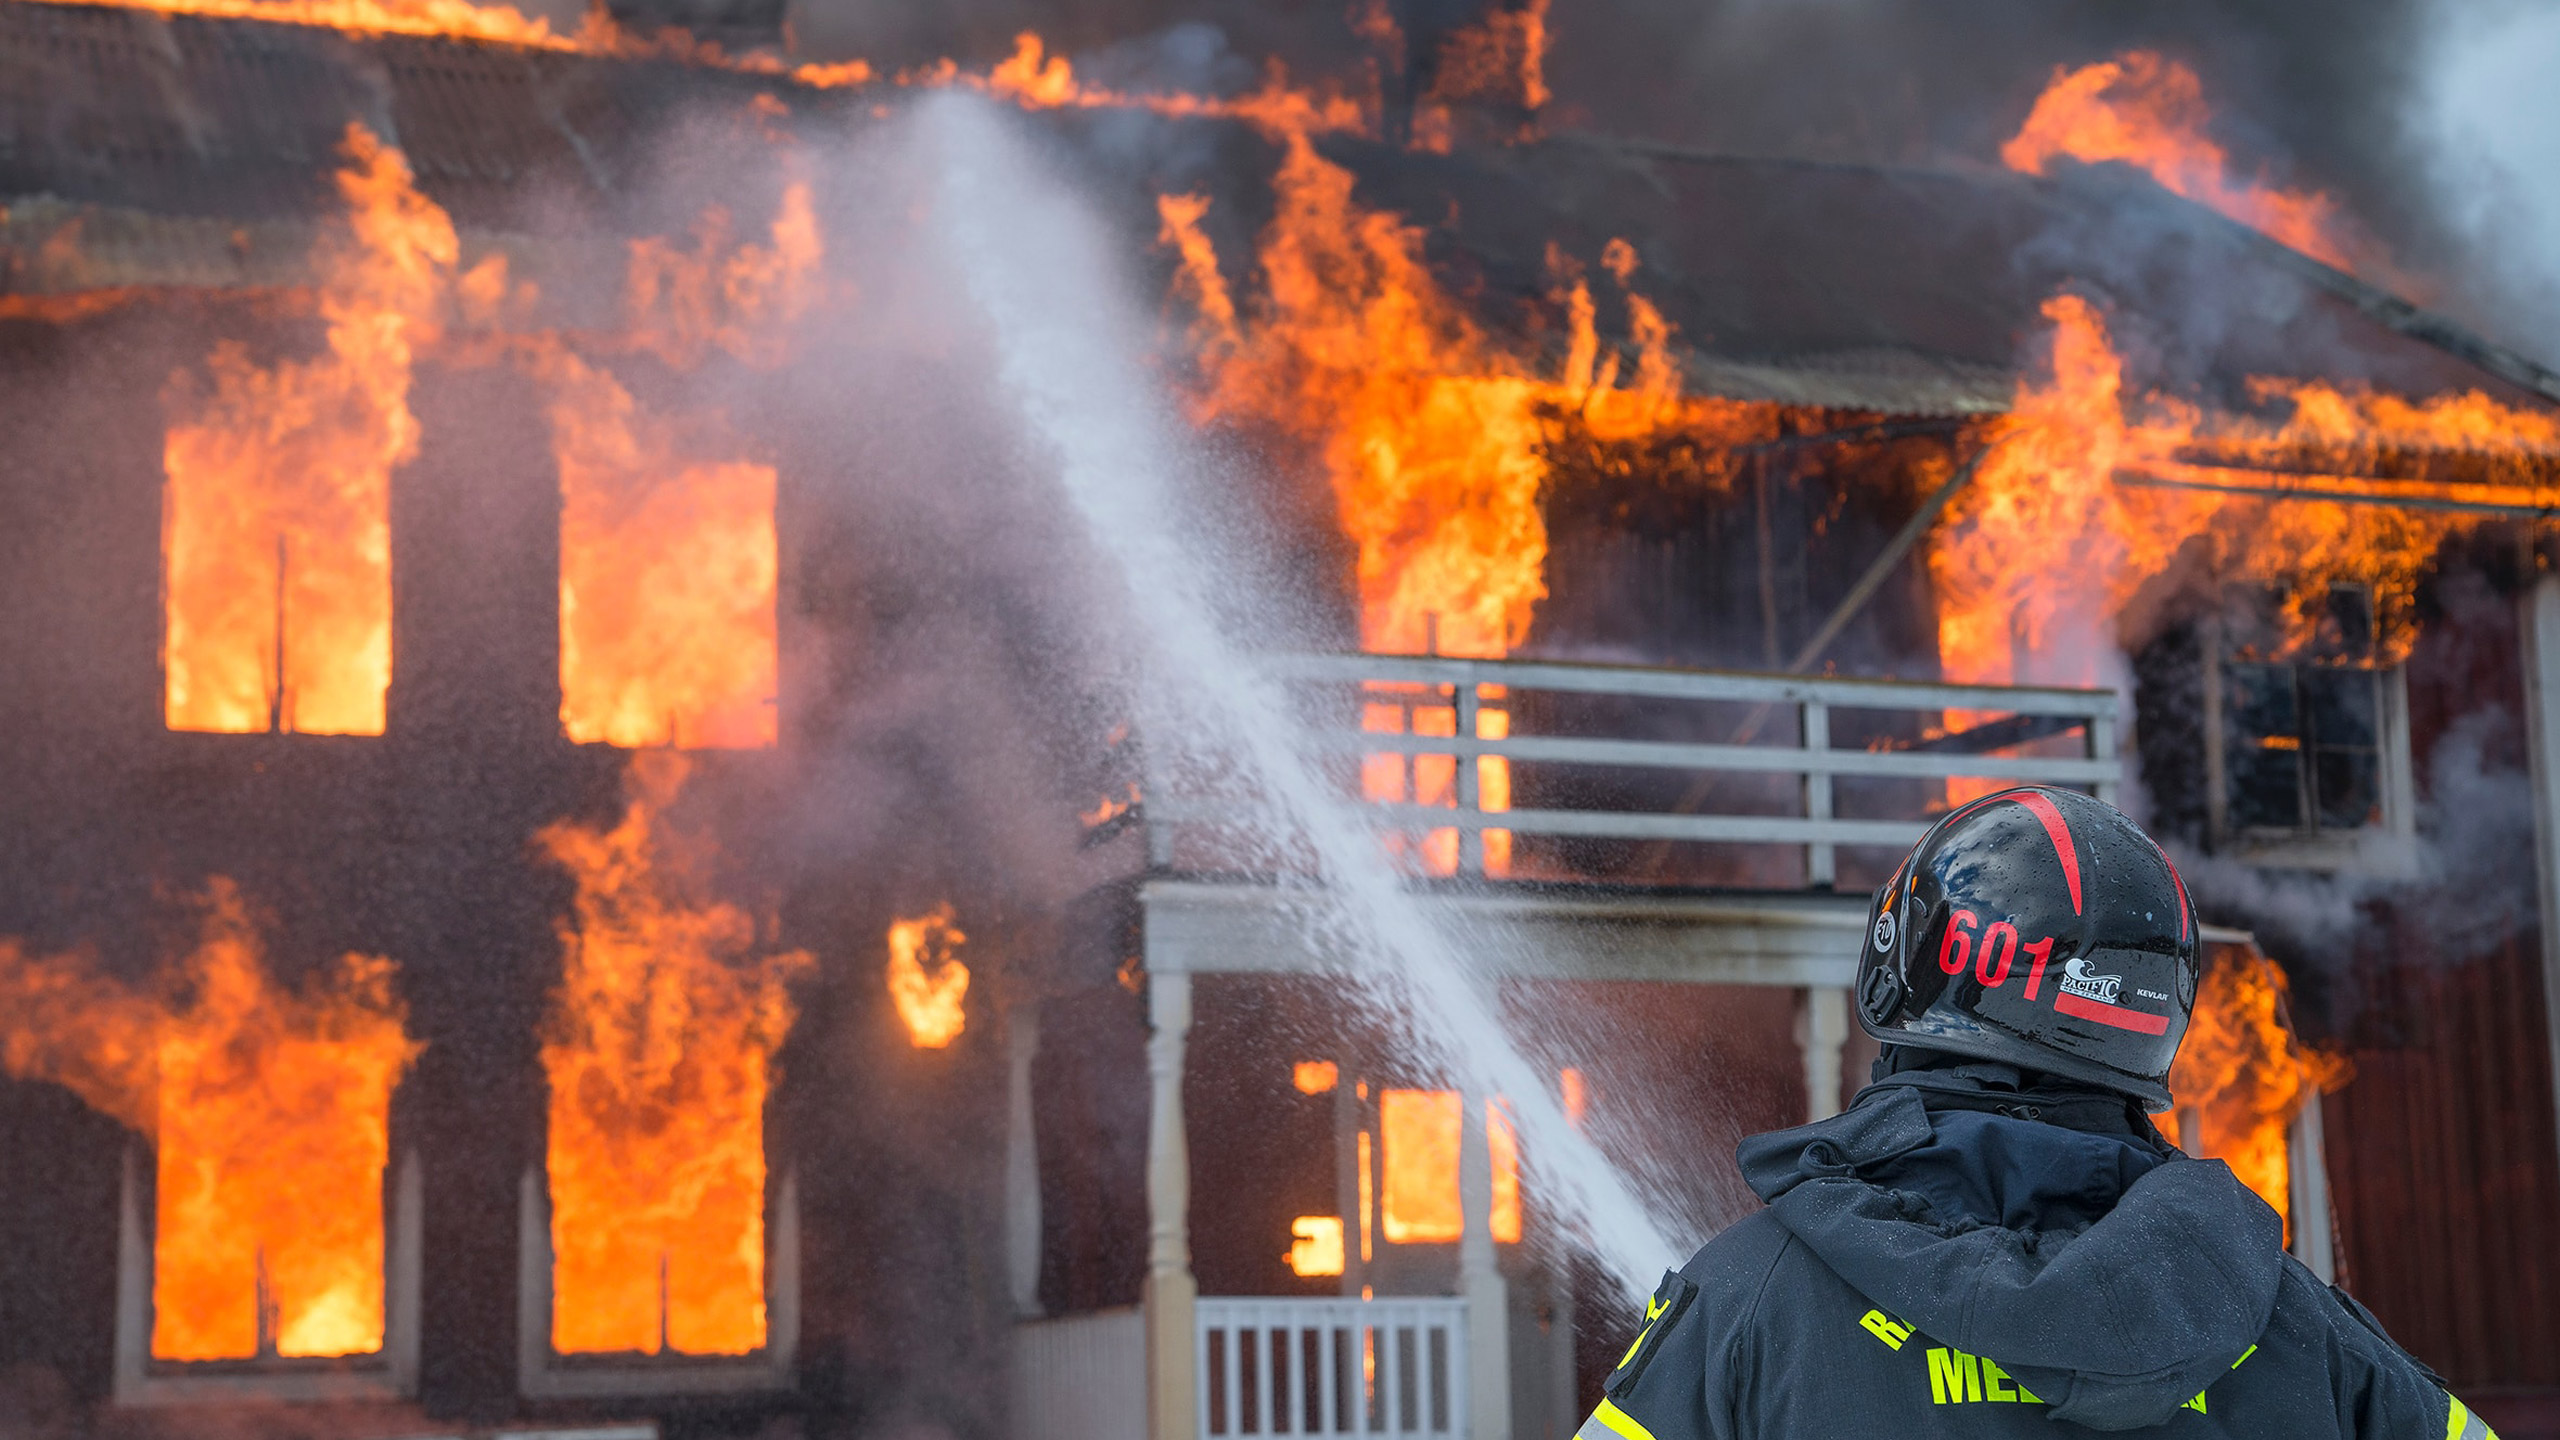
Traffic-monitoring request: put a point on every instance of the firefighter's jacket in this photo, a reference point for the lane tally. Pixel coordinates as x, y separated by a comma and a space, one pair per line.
1929, 1265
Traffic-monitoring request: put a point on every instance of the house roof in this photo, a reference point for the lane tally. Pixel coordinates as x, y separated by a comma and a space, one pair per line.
190, 150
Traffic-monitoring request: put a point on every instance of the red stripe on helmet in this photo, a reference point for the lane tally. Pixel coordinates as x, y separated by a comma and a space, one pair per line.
2182, 893
2042, 808
2116, 1015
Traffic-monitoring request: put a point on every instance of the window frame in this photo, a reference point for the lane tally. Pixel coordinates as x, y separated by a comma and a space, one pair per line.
2387, 847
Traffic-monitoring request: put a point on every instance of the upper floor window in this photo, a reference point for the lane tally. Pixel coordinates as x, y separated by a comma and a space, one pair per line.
2308, 755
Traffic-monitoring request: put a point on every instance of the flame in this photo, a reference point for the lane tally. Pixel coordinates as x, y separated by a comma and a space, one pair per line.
1502, 1140
1575, 1092
669, 562
270, 1111
741, 299
2050, 541
668, 567
1418, 1196
1315, 1077
1317, 1248
1035, 79
2247, 1074
1430, 434
278, 531
1501, 60
659, 1051
1108, 809
460, 19
927, 982
1433, 437
1418, 1160
2150, 113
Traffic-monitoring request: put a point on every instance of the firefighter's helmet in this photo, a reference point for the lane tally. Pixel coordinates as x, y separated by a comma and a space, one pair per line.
2040, 928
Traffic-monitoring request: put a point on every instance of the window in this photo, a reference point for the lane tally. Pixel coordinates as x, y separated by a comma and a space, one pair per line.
2309, 759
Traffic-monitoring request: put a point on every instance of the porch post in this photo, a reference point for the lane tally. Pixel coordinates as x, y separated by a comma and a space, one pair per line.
1480, 1283
1824, 1033
1171, 1292
1022, 1160
2542, 724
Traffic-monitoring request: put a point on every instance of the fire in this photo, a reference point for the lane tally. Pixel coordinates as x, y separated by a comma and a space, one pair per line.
723, 295
1418, 1196
460, 19
1317, 1246
659, 1050
270, 1111
1037, 80
927, 982
668, 567
1501, 60
669, 562
278, 510
2246, 1074
2150, 112
1433, 437
2084, 499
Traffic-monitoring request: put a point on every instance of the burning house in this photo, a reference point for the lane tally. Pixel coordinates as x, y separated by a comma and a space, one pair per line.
568, 867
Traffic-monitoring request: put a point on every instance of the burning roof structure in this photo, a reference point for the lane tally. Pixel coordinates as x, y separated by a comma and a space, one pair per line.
521, 612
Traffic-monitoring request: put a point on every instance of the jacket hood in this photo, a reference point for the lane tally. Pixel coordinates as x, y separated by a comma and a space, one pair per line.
2114, 1277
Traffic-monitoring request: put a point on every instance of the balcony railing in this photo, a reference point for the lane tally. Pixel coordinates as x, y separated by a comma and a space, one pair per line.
1316, 1367
1445, 746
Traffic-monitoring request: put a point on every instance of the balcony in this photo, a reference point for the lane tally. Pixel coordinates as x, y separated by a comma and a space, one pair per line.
1445, 751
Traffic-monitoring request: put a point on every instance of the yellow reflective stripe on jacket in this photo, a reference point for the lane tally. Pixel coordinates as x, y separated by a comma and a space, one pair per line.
1611, 1423
2461, 1424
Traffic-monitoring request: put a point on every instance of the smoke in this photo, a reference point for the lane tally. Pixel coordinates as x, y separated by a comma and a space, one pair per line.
2489, 117
2464, 880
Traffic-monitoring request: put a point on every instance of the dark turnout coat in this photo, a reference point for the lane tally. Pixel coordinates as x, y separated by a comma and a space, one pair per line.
1960, 1256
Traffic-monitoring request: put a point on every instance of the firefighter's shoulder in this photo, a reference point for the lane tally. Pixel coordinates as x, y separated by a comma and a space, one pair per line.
1677, 1379
2383, 1389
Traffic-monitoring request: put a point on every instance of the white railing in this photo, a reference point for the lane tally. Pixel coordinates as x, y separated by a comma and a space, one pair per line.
1759, 726
1289, 1366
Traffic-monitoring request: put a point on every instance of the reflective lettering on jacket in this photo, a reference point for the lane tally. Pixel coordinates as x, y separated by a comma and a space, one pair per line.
1956, 1378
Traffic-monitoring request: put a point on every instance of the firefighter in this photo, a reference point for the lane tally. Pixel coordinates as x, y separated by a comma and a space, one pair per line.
1993, 1239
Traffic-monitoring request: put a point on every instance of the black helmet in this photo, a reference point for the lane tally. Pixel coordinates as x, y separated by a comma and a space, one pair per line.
2040, 928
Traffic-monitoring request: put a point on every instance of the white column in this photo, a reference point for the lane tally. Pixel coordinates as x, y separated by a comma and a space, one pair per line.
2306, 1158
1824, 1033
1480, 1284
1171, 1293
2542, 719
1022, 1160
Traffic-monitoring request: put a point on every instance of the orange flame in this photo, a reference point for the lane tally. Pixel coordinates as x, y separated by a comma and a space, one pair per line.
278, 531
1317, 1246
1501, 60
270, 1109
2247, 1075
927, 982
1418, 1195
1432, 437
2049, 542
668, 568
460, 19
2150, 113
669, 563
659, 1050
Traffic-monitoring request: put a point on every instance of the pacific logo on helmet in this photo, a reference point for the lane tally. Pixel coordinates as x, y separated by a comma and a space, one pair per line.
2079, 979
